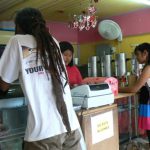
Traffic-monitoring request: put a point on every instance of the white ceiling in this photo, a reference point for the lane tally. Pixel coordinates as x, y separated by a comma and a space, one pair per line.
63, 10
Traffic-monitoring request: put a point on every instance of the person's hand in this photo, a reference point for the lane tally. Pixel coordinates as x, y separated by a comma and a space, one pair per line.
73, 86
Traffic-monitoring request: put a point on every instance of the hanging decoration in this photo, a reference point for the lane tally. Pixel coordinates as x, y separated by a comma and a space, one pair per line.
85, 20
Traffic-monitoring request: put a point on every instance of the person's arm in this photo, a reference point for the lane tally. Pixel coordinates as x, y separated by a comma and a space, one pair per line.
139, 83
4, 87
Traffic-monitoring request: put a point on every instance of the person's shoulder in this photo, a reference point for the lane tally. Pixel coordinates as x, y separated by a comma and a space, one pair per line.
71, 67
13, 39
147, 68
18, 37
146, 71
26, 40
74, 67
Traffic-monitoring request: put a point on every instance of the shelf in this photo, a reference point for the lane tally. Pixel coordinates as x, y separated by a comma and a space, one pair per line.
13, 134
122, 108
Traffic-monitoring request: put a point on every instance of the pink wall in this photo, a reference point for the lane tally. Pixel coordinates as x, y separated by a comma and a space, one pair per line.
133, 23
61, 31
89, 36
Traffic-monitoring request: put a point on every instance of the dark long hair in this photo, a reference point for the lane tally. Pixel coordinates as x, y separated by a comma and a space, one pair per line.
64, 46
141, 48
31, 21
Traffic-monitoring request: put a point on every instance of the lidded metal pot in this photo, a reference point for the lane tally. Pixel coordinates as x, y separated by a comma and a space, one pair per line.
92, 66
120, 64
107, 66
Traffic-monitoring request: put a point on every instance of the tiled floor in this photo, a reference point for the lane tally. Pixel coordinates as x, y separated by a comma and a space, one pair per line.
135, 144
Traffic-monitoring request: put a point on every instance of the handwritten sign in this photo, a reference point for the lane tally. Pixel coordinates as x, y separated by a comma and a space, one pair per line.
102, 127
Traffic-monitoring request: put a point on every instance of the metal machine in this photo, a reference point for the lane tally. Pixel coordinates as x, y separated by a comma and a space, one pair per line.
92, 95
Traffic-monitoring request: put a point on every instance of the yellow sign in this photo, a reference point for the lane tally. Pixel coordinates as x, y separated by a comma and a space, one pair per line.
102, 127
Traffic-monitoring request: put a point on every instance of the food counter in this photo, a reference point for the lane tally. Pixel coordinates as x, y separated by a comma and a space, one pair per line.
99, 125
91, 123
127, 115
124, 95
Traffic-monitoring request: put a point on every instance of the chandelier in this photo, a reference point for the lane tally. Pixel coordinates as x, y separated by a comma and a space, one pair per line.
86, 19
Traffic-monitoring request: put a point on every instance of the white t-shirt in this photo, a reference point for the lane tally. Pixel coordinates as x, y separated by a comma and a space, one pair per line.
19, 60
148, 82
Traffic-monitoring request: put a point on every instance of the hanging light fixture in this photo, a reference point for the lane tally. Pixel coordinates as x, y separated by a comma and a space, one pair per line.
86, 19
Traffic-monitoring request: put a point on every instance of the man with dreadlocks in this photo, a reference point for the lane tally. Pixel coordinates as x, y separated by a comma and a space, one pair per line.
33, 56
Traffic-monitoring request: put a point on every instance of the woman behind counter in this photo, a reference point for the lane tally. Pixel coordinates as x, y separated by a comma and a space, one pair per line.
142, 53
74, 75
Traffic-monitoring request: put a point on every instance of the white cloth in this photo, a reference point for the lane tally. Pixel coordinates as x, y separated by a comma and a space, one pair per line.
19, 60
148, 82
82, 141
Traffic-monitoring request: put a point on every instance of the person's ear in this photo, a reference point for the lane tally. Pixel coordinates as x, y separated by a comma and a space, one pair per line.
145, 52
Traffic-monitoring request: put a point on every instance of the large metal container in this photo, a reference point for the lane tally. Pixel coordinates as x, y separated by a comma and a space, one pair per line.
121, 64
89, 68
102, 73
107, 65
92, 66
